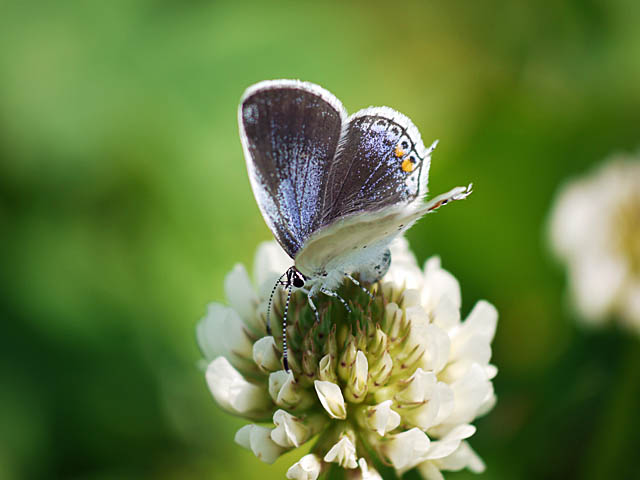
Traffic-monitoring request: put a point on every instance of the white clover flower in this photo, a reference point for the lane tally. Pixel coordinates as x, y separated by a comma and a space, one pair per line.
307, 468
595, 229
343, 453
398, 381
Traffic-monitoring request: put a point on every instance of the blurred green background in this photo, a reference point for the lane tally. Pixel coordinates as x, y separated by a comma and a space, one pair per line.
124, 201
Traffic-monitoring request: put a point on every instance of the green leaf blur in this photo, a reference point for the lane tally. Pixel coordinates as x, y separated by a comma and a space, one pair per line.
124, 201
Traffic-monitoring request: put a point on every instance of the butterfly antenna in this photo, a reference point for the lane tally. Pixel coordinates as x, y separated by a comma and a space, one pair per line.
285, 358
273, 292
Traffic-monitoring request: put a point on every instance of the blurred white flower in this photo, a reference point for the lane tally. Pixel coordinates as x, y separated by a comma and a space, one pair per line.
595, 229
402, 374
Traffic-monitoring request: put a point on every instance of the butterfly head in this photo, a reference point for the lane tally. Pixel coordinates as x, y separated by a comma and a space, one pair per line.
294, 278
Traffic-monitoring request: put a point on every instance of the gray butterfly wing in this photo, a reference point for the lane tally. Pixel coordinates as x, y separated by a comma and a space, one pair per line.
381, 162
290, 132
356, 243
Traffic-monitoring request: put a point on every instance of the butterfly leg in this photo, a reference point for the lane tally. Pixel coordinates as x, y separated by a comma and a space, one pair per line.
356, 282
310, 294
335, 295
313, 307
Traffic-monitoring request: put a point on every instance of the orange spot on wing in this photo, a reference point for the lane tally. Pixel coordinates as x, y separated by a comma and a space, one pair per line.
399, 152
408, 165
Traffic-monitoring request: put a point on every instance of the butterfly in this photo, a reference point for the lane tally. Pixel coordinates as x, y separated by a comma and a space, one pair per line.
334, 189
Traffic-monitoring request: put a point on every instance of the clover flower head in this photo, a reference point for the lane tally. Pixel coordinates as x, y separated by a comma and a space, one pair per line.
595, 229
396, 382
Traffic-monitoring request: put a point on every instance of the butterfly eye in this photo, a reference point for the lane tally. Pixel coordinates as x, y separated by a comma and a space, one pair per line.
298, 281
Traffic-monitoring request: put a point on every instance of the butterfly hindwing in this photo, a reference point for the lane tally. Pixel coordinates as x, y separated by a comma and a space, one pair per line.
381, 162
355, 241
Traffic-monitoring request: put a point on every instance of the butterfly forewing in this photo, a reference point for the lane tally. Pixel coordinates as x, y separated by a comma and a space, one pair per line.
381, 162
290, 132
